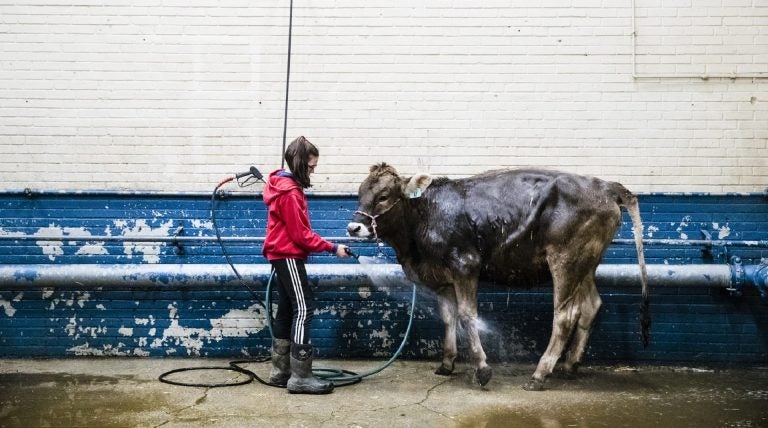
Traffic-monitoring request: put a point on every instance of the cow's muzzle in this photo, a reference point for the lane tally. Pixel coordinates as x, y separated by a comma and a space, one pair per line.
358, 229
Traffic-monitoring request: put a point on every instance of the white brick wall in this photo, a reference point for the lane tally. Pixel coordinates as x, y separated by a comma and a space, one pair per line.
175, 95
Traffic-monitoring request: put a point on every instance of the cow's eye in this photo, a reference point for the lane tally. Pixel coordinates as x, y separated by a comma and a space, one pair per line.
383, 198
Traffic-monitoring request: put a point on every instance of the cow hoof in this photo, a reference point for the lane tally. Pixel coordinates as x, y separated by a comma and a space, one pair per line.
483, 375
534, 385
444, 371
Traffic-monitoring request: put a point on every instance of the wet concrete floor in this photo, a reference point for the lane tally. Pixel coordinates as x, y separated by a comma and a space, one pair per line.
115, 392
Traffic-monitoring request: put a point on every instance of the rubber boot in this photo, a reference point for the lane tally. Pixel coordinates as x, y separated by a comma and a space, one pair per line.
302, 380
281, 362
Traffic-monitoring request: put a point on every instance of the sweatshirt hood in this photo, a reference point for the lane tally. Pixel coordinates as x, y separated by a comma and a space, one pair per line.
280, 181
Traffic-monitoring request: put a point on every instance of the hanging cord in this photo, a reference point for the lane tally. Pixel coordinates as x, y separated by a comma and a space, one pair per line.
339, 377
245, 183
287, 81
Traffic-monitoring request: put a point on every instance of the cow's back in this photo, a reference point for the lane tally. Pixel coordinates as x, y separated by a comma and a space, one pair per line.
508, 218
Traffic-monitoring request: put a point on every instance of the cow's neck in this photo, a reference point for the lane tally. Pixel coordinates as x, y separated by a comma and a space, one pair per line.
399, 229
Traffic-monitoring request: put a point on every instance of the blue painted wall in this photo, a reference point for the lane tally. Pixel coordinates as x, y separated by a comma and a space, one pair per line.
696, 324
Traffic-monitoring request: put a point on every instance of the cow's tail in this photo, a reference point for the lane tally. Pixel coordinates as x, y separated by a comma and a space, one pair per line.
629, 200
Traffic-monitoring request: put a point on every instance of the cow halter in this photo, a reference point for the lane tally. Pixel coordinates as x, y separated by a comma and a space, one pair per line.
373, 218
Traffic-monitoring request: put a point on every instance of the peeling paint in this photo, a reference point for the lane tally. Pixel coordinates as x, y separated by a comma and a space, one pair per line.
91, 331
74, 330
201, 224
683, 223
140, 228
55, 248
6, 305
382, 334
92, 250
722, 231
84, 297
651, 230
77, 297
125, 331
4, 232
51, 248
106, 350
86, 350
235, 323
71, 327
329, 310
240, 322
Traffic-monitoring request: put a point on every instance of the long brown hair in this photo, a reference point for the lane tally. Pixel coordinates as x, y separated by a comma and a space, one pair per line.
297, 157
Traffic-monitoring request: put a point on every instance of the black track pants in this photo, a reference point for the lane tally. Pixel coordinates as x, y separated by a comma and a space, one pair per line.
295, 306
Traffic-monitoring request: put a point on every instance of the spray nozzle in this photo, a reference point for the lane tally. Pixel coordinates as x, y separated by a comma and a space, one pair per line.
253, 171
352, 253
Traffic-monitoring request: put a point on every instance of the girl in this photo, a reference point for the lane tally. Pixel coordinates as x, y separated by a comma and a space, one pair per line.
290, 239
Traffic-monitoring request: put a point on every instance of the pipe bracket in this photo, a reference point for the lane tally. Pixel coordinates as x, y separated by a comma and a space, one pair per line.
760, 279
178, 246
738, 276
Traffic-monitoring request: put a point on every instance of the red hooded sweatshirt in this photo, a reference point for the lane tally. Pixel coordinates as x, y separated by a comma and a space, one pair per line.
289, 233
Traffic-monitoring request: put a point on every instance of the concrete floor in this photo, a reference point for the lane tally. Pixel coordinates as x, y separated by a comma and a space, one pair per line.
125, 392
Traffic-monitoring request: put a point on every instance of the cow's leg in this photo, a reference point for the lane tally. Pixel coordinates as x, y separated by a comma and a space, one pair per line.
566, 313
590, 306
574, 292
466, 300
446, 300
595, 240
566, 276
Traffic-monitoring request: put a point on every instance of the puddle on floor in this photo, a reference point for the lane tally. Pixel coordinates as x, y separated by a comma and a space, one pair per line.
656, 398
737, 413
59, 399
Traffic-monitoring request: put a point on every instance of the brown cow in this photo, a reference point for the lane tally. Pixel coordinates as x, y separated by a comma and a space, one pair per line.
513, 227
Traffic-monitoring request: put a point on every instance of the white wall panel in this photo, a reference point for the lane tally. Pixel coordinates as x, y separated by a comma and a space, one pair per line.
173, 96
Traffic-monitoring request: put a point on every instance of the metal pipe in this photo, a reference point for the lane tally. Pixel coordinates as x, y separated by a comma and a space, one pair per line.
665, 275
145, 238
347, 275
189, 275
181, 238
695, 242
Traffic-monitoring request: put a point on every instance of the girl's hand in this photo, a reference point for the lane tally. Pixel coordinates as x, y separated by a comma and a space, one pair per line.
341, 251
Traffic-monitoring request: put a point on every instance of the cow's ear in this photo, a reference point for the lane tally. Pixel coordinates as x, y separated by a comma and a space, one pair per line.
416, 185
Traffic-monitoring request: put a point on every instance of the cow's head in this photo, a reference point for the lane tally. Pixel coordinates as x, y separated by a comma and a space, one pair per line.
379, 193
